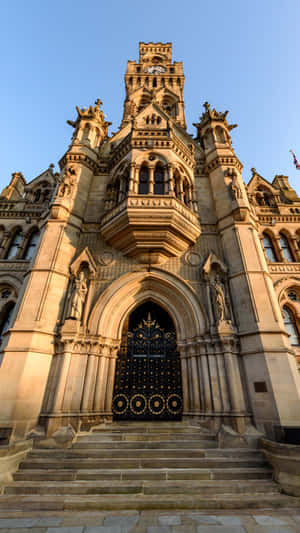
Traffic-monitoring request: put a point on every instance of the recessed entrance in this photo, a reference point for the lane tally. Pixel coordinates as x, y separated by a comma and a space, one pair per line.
148, 371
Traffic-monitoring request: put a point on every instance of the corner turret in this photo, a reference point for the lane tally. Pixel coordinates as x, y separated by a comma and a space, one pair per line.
90, 126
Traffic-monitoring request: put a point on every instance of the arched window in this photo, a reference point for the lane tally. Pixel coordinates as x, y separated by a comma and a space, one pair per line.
269, 248
6, 319
284, 243
126, 182
86, 132
290, 325
144, 181
33, 239
37, 195
158, 180
177, 184
14, 246
185, 192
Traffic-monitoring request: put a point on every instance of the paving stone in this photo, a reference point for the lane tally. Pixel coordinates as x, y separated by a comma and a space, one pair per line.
17, 522
104, 529
125, 523
159, 529
230, 520
70, 529
169, 520
84, 521
221, 529
268, 520
23, 530
184, 529
48, 521
204, 519
275, 529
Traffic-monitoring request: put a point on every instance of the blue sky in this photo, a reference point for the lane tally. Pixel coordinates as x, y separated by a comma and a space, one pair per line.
239, 55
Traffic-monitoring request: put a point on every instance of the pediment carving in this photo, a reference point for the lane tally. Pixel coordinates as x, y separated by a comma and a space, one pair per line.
84, 257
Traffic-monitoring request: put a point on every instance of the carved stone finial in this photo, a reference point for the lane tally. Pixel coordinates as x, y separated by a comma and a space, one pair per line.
98, 103
253, 170
206, 106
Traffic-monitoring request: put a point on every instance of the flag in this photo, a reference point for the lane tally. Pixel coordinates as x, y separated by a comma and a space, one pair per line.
297, 165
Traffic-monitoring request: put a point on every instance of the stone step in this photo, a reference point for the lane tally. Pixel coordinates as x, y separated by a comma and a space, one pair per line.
145, 474
145, 502
149, 427
143, 436
149, 444
201, 488
160, 453
140, 462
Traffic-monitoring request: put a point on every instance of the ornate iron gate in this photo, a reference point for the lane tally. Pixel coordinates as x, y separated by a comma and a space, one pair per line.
148, 374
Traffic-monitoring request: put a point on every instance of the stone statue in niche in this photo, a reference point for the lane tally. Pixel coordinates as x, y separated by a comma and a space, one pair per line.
67, 183
219, 302
77, 297
234, 186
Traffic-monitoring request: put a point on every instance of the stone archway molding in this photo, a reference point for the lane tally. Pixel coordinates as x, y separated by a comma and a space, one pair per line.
132, 289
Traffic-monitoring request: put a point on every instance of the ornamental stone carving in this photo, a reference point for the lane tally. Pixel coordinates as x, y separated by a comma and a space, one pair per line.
77, 297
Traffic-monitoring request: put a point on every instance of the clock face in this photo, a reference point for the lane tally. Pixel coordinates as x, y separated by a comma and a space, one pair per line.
155, 69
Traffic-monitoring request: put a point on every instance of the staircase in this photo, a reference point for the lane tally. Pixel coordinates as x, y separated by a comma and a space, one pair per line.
154, 465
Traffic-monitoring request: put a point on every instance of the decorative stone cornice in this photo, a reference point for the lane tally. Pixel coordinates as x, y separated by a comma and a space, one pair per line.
220, 161
82, 158
270, 217
283, 267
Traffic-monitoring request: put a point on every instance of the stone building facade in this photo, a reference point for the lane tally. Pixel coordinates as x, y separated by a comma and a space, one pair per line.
146, 280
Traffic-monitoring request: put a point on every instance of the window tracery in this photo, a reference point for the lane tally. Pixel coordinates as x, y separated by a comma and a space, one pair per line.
291, 325
144, 180
5, 318
158, 180
14, 245
31, 244
285, 247
269, 248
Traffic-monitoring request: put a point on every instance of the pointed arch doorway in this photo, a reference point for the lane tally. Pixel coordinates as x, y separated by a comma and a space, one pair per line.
148, 371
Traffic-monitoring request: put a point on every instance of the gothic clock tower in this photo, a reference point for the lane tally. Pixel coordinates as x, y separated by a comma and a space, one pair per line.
146, 293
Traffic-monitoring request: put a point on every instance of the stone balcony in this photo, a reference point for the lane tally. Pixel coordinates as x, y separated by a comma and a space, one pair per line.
151, 228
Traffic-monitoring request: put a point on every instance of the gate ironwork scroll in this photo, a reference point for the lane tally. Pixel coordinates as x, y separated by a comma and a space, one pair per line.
148, 374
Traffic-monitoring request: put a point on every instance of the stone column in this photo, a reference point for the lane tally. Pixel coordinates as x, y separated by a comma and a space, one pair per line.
222, 380
189, 198
195, 384
214, 379
88, 387
136, 179
4, 243
234, 379
63, 371
194, 198
21, 247
171, 181
181, 194
278, 249
101, 381
110, 379
151, 180
166, 180
132, 177
184, 375
205, 378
